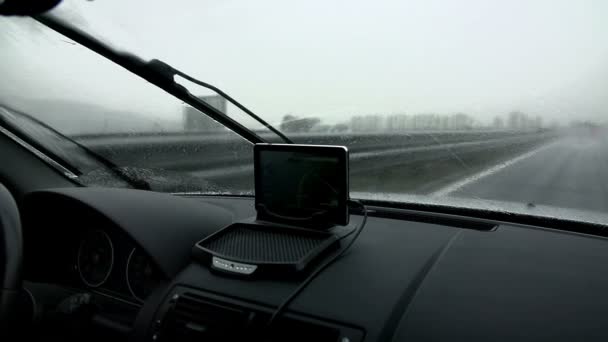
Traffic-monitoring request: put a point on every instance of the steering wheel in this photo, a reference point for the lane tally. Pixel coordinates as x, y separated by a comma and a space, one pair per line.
11, 257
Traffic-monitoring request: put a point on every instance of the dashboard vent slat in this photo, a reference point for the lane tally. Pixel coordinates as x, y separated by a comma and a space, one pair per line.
195, 319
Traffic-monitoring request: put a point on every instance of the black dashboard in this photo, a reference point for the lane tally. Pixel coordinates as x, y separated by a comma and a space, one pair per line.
409, 276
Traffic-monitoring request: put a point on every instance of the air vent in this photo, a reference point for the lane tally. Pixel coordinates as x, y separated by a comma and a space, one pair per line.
190, 315
300, 331
193, 318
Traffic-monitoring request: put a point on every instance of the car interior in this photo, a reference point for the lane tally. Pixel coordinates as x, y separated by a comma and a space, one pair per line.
124, 264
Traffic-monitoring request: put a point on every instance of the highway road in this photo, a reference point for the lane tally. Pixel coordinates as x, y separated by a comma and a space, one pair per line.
542, 169
571, 172
403, 168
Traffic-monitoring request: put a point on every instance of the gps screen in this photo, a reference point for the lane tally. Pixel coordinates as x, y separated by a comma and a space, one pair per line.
302, 184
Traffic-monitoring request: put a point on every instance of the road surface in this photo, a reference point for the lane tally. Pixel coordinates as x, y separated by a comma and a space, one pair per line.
571, 173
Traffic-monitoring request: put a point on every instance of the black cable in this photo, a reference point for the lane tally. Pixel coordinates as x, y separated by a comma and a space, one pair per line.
283, 306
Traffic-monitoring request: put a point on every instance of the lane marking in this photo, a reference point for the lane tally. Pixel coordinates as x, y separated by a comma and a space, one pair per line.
494, 169
223, 171
427, 147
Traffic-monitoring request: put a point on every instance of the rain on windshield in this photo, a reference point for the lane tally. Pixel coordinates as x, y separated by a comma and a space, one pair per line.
489, 101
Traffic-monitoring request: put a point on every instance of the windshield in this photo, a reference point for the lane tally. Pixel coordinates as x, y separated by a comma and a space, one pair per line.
490, 104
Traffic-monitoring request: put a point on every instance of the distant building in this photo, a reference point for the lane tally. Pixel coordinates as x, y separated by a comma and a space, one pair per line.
522, 121
403, 122
426, 122
538, 122
397, 123
444, 123
461, 121
367, 123
515, 121
498, 123
197, 121
525, 122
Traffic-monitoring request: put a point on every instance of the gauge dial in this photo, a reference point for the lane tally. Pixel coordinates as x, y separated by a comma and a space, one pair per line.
95, 258
141, 274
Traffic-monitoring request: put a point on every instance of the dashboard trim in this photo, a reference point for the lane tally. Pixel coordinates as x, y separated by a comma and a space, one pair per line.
107, 295
42, 156
127, 276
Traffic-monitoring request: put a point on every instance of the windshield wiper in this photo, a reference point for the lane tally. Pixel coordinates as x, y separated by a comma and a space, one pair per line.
227, 97
163, 75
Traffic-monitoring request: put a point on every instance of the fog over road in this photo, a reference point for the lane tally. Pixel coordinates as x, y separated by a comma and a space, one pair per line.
571, 172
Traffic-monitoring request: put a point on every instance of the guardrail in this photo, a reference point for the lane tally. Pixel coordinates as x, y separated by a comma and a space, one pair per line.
213, 150
412, 162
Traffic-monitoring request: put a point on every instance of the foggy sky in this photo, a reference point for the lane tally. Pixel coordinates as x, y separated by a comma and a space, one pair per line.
335, 59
